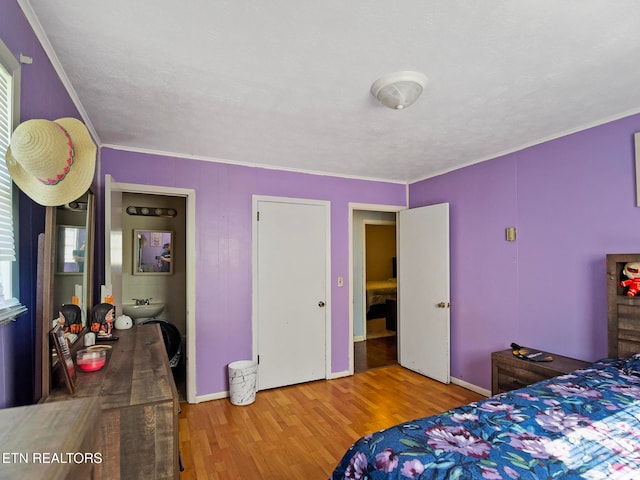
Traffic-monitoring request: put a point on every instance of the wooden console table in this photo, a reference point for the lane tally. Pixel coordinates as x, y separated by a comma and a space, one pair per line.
137, 417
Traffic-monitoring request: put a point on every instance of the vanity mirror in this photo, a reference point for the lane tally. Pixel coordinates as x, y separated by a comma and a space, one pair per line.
65, 271
73, 254
152, 252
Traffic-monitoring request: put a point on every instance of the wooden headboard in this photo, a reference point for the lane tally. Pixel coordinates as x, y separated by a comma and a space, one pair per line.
623, 310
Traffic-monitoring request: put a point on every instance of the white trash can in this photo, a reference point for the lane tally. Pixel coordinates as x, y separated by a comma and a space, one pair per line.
243, 382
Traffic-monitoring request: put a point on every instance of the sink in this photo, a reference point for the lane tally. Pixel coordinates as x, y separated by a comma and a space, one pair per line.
142, 311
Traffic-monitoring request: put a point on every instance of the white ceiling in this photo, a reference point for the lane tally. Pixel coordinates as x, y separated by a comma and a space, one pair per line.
285, 83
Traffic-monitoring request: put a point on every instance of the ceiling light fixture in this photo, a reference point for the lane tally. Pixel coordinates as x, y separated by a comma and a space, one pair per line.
399, 90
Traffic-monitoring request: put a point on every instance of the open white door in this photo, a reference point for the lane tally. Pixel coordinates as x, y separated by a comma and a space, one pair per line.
291, 290
423, 290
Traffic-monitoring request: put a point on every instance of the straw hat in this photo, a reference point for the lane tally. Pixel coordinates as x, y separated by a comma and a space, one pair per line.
53, 162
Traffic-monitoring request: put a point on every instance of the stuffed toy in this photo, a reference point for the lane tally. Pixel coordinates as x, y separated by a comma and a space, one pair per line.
632, 272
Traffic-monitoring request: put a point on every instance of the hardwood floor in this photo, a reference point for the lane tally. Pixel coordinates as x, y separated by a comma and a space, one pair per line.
375, 353
302, 431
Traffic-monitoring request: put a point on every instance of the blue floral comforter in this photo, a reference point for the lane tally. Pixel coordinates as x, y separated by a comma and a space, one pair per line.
584, 425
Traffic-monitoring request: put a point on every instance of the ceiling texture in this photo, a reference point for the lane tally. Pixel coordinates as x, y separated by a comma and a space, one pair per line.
285, 83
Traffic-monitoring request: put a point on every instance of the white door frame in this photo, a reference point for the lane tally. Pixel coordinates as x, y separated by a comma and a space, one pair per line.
373, 208
254, 269
364, 266
190, 196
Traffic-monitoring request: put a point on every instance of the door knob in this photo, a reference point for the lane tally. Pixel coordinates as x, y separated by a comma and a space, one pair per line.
321, 304
444, 305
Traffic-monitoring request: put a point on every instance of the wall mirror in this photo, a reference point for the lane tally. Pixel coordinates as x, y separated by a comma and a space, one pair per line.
65, 271
73, 254
152, 252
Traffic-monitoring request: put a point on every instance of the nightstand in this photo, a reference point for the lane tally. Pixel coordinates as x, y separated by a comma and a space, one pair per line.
509, 372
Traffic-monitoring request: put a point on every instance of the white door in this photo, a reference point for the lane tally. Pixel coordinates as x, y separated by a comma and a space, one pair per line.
423, 290
291, 314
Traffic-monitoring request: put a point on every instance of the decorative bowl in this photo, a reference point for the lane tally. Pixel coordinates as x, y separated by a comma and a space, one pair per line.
91, 360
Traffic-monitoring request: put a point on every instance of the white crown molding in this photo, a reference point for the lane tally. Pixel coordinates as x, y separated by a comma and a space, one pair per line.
246, 164
540, 141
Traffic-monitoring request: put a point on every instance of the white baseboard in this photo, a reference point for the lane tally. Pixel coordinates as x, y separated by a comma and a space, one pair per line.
346, 373
212, 396
470, 386
359, 338
334, 375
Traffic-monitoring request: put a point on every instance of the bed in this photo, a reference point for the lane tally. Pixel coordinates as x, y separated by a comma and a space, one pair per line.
379, 291
583, 425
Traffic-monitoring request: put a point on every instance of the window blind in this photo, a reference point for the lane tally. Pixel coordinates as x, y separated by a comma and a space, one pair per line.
7, 249
10, 308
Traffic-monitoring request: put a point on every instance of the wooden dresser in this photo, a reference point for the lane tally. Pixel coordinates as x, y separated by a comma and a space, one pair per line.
137, 415
509, 372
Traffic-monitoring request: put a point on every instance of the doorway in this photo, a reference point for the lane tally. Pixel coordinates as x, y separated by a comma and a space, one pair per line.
423, 286
144, 276
180, 303
374, 289
380, 277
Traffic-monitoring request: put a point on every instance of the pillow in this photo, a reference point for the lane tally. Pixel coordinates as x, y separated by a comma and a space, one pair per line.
632, 365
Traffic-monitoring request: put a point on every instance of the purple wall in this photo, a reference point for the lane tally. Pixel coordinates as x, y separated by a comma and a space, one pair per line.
42, 96
572, 201
223, 242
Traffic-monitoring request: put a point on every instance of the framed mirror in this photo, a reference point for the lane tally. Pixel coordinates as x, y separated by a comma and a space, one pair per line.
64, 272
152, 252
73, 255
